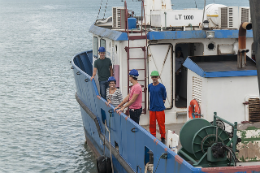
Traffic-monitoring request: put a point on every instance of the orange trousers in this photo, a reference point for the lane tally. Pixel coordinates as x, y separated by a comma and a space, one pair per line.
160, 117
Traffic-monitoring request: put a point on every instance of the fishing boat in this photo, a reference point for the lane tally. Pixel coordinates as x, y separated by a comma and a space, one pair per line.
212, 126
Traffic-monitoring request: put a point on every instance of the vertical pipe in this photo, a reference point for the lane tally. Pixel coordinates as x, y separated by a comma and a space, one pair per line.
255, 18
241, 55
165, 14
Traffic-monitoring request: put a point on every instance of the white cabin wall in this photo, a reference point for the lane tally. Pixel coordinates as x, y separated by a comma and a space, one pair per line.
223, 93
201, 96
123, 67
230, 92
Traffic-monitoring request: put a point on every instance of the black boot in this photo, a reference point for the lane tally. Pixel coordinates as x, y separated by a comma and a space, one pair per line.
163, 140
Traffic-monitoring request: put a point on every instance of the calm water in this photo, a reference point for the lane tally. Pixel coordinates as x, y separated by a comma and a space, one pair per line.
40, 122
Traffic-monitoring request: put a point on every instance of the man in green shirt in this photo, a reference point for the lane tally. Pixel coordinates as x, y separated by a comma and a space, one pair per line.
104, 67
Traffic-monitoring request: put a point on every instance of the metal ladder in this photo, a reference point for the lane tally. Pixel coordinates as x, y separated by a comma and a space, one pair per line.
144, 58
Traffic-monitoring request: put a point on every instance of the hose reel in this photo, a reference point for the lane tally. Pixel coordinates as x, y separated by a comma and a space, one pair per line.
207, 144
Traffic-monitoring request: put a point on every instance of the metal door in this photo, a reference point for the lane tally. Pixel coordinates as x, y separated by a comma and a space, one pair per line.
160, 58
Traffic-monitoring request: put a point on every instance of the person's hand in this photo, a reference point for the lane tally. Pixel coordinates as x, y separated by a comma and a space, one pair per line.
116, 108
120, 110
107, 103
92, 77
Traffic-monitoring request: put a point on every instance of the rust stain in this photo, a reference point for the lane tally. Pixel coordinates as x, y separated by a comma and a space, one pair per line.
178, 159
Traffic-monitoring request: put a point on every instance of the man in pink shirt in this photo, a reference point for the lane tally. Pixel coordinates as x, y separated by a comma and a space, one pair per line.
134, 98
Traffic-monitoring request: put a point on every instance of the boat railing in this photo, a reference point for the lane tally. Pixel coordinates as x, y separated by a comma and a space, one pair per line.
132, 141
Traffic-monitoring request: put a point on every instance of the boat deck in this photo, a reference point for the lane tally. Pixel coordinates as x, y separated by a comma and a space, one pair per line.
173, 127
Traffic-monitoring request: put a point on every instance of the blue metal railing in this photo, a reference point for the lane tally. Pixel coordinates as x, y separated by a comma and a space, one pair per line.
131, 138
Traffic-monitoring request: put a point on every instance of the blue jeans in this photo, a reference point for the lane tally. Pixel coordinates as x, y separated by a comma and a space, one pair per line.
135, 114
103, 87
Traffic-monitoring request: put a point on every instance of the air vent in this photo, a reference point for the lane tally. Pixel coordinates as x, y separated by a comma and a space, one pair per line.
254, 109
229, 17
118, 19
196, 89
224, 20
245, 15
114, 17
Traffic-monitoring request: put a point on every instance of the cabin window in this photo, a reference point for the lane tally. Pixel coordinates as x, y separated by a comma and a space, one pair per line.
95, 47
211, 46
103, 43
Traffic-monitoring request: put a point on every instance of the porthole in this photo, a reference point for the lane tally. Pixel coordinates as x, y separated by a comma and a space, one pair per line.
211, 46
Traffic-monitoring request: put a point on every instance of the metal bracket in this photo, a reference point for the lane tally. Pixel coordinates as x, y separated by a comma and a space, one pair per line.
246, 103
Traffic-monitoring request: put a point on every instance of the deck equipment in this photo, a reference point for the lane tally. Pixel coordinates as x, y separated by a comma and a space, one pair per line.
206, 144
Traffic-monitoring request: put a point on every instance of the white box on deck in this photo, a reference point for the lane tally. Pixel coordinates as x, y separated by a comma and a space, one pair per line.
176, 18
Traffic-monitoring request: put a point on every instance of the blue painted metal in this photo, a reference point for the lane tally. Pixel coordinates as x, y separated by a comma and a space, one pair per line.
188, 63
131, 138
194, 34
108, 33
131, 23
166, 35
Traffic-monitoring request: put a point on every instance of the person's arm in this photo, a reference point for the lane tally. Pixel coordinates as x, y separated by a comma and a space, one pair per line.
111, 71
164, 94
128, 104
108, 101
131, 101
94, 73
123, 102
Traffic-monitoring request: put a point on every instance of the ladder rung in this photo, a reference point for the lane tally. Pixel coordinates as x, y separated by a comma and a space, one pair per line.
135, 47
138, 69
137, 58
137, 37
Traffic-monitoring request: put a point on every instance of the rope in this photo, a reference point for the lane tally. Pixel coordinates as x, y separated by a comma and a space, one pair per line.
105, 9
196, 4
158, 162
104, 141
100, 8
109, 142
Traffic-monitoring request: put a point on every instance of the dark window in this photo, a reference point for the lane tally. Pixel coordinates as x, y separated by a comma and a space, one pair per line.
211, 46
95, 46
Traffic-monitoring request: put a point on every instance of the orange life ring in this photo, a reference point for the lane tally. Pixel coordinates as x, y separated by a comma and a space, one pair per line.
194, 109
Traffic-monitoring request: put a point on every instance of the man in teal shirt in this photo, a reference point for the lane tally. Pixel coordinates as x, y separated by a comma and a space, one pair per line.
104, 67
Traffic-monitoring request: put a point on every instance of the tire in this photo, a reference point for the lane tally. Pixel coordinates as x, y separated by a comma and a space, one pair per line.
104, 165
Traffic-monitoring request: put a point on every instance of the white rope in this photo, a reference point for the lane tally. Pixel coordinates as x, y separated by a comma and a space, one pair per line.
110, 145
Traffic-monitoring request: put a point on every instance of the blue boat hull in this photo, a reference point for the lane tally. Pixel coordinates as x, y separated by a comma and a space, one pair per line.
132, 141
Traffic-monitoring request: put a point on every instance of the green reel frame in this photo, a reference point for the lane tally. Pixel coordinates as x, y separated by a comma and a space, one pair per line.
197, 137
